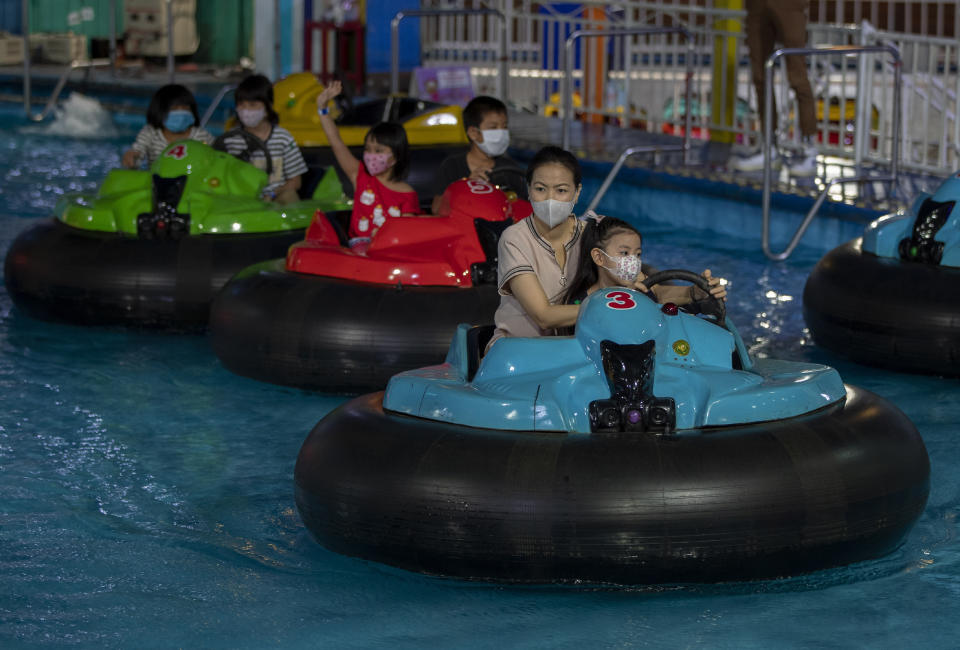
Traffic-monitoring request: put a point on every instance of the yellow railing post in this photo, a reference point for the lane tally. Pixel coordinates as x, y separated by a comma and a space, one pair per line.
723, 98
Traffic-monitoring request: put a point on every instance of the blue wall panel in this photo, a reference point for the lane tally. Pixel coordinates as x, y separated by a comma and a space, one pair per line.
379, 15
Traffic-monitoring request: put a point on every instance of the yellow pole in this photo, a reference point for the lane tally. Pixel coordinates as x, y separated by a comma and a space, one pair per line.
723, 98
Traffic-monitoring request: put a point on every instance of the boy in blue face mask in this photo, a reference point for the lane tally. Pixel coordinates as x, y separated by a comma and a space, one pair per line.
171, 116
485, 121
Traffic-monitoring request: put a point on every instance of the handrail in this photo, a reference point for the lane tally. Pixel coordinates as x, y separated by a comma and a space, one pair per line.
208, 114
629, 151
768, 136
502, 86
636, 31
52, 102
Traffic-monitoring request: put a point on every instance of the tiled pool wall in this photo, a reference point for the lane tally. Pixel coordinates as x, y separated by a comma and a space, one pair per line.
650, 196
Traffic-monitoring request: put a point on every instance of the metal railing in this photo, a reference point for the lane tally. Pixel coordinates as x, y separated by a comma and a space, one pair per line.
409, 13
636, 31
768, 137
208, 114
627, 153
52, 101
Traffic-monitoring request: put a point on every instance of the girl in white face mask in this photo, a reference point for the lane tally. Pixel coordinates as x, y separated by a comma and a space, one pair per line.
610, 257
538, 255
254, 97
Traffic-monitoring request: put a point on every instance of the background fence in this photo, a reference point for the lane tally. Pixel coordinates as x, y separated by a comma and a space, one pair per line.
637, 81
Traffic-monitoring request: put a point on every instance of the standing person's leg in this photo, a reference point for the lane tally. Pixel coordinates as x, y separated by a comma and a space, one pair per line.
760, 42
790, 20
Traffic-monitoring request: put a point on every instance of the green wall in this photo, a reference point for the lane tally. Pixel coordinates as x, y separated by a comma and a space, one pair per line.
225, 27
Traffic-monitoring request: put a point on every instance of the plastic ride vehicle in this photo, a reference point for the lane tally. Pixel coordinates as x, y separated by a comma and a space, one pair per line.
891, 298
646, 448
151, 248
335, 318
434, 130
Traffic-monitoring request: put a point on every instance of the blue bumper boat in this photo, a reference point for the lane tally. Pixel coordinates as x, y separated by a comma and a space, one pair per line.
646, 448
892, 297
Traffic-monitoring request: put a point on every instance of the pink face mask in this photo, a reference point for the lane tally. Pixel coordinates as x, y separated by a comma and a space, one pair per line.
377, 163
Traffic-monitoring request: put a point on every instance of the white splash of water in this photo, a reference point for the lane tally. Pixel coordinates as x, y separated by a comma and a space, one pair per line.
80, 116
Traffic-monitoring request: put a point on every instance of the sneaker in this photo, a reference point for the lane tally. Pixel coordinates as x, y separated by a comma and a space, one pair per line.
754, 162
805, 164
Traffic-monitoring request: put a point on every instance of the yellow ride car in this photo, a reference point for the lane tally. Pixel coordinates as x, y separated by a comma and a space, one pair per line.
426, 122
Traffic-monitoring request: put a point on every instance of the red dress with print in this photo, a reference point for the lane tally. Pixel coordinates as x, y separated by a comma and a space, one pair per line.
374, 203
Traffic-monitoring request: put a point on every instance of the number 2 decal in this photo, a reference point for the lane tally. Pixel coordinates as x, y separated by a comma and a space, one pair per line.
177, 152
619, 300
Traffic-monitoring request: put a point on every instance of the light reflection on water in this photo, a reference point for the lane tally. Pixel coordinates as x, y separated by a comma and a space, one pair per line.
147, 494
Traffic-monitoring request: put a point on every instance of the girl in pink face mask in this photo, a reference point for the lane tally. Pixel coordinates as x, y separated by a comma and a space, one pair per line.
610, 257
379, 190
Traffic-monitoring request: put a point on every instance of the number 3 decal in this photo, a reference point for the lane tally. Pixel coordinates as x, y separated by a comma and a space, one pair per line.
620, 300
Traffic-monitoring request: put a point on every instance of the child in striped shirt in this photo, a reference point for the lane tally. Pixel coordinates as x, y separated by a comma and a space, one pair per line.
171, 116
254, 98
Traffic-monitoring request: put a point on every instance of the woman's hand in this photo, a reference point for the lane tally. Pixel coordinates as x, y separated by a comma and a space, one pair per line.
328, 93
131, 159
718, 287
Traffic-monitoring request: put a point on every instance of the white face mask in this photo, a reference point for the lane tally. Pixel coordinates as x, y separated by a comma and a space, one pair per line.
626, 267
250, 117
495, 141
552, 212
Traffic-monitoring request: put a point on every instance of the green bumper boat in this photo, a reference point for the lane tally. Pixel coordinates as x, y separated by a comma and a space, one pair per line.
152, 248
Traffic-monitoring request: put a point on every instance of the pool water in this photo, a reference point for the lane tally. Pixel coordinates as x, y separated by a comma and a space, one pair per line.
146, 494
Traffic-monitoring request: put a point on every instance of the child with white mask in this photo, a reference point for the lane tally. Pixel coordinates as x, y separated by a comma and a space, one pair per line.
379, 190
539, 255
254, 100
485, 123
611, 257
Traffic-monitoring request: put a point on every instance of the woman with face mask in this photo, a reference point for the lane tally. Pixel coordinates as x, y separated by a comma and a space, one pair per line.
379, 191
610, 257
171, 116
254, 98
538, 256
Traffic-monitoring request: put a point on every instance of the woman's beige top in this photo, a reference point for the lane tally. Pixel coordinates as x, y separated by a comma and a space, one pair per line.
523, 250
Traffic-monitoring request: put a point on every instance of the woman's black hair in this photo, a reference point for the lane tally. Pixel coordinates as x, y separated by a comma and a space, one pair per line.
596, 234
257, 88
551, 154
392, 135
166, 98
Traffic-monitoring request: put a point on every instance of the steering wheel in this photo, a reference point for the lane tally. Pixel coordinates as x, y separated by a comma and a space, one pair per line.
509, 178
709, 306
253, 144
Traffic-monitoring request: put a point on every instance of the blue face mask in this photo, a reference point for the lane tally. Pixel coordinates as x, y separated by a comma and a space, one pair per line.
179, 121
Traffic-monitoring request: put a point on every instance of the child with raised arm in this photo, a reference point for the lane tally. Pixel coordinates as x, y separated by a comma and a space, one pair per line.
379, 190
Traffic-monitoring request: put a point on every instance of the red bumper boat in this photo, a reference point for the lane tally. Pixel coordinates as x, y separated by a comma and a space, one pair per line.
341, 319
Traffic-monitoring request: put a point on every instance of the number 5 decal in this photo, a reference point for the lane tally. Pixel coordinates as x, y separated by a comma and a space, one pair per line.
479, 187
620, 300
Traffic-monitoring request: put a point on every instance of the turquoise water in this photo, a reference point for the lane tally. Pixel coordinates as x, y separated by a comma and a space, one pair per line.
146, 494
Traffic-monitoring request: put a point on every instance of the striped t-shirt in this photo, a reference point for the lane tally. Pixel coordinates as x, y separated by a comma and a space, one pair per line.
284, 152
151, 142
